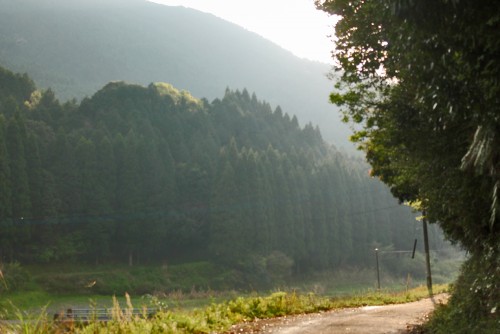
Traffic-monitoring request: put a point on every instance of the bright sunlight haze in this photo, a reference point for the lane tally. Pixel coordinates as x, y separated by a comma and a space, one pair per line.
295, 25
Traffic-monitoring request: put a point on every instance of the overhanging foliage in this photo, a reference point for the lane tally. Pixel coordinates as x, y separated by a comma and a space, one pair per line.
421, 79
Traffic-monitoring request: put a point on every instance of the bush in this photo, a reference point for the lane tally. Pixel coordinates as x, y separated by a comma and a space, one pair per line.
474, 304
259, 272
401, 266
279, 266
14, 277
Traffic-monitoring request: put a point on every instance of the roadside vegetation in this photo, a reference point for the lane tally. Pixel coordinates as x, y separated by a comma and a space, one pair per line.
419, 82
185, 301
199, 283
215, 317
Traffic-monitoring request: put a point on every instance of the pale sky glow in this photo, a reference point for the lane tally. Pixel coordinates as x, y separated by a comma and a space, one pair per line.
295, 25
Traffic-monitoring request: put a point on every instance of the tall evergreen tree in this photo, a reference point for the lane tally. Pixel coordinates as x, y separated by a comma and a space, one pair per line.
5, 179
16, 139
225, 219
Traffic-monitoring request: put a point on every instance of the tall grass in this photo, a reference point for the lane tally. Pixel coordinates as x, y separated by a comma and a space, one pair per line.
27, 323
217, 317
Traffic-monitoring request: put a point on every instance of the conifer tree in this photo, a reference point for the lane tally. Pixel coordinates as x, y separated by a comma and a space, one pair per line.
225, 219
16, 138
5, 179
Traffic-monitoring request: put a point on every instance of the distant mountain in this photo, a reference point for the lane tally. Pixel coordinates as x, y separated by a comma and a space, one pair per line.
76, 47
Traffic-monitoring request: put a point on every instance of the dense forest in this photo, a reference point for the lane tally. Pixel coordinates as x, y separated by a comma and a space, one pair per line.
154, 175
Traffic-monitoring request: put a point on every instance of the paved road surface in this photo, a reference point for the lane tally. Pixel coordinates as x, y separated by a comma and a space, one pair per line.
364, 320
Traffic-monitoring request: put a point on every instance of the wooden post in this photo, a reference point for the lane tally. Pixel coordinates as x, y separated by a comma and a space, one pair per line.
378, 272
427, 256
414, 249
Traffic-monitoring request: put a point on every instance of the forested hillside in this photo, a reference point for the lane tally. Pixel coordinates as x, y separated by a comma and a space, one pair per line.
76, 47
154, 175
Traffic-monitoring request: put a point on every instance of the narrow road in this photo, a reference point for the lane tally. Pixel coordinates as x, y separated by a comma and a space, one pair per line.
365, 320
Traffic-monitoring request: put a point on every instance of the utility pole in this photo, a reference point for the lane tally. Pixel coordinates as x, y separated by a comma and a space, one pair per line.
427, 255
378, 272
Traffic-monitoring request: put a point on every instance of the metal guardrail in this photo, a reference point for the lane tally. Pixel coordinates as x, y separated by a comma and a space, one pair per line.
103, 314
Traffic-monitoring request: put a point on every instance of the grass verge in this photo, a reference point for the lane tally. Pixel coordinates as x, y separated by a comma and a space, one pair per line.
217, 317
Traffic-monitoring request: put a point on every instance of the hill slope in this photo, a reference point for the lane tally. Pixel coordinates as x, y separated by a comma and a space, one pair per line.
78, 47
151, 174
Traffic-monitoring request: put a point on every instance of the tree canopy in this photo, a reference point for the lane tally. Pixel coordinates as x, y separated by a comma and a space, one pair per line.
420, 78
152, 174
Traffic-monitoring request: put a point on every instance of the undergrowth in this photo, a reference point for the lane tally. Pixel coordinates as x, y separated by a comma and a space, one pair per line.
474, 305
217, 317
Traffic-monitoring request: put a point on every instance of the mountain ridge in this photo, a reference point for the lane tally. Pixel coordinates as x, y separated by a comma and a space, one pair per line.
78, 49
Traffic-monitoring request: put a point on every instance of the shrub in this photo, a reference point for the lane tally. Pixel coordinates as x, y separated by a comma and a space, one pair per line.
14, 277
279, 266
474, 304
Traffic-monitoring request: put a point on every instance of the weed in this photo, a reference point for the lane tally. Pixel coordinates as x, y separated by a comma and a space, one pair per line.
27, 323
216, 317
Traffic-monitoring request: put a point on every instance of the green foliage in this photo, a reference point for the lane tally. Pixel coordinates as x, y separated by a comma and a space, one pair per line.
179, 97
419, 78
147, 175
28, 323
279, 266
13, 278
473, 306
216, 317
18, 87
137, 280
197, 275
276, 305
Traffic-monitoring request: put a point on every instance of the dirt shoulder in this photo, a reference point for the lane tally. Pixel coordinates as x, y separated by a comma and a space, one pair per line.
397, 318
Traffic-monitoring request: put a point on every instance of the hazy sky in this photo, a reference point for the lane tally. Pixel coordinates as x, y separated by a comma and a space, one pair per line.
295, 25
